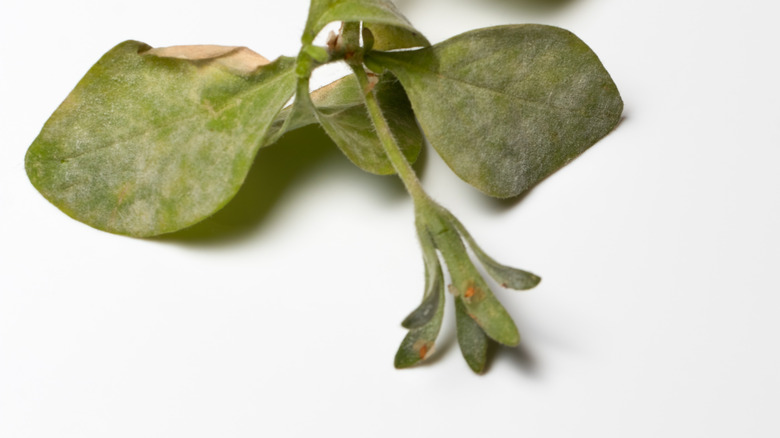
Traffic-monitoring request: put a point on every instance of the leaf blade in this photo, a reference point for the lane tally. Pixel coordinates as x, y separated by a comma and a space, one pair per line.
506, 276
472, 340
348, 124
509, 105
387, 37
484, 308
418, 344
148, 144
434, 280
339, 108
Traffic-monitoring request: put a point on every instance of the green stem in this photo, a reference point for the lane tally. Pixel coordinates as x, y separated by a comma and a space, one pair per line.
350, 35
430, 215
393, 151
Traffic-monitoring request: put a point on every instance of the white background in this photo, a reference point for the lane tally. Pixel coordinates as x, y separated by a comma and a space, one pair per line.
657, 315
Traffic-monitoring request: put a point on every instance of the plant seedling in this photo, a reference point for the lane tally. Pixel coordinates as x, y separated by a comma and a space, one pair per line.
153, 140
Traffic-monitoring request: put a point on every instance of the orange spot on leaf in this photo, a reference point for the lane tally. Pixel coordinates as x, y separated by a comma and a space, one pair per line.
469, 292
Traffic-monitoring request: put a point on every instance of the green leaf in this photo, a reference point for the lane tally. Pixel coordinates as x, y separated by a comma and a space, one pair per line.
507, 106
392, 37
341, 110
343, 114
391, 29
154, 140
472, 340
483, 306
419, 342
434, 281
425, 311
467, 283
506, 276
294, 116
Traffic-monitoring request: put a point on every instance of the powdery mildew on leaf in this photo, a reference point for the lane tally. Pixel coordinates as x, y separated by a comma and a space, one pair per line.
509, 105
153, 140
352, 130
146, 145
340, 109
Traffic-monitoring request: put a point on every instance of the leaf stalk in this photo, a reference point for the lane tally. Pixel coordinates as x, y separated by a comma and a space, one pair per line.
385, 134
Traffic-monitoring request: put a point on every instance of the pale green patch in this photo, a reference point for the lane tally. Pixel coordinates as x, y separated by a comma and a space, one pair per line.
507, 106
146, 145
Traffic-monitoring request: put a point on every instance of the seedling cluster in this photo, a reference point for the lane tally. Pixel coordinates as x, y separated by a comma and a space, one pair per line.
154, 140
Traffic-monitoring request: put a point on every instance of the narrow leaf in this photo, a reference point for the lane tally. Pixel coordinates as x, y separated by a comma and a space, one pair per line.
154, 140
506, 276
509, 105
483, 306
472, 340
433, 282
425, 311
467, 283
419, 342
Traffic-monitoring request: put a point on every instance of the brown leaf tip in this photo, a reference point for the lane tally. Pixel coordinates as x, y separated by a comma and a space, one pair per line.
238, 59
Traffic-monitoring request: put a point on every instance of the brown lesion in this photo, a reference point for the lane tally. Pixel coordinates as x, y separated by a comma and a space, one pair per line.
470, 293
373, 79
238, 59
334, 40
423, 348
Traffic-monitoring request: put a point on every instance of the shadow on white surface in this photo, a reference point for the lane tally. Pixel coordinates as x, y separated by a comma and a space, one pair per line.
276, 171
